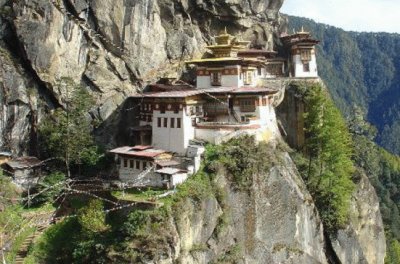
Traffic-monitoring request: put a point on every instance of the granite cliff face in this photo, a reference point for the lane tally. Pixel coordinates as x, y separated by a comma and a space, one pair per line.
115, 48
112, 47
274, 222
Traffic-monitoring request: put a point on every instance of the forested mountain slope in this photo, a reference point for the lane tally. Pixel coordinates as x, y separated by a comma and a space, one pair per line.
361, 69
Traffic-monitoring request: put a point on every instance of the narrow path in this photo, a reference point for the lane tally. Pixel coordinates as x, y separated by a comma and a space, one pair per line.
41, 223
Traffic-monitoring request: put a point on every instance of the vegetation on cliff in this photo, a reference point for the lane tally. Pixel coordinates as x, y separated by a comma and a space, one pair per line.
66, 134
141, 234
326, 164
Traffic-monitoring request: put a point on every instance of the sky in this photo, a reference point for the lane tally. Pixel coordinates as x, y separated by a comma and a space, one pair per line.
354, 15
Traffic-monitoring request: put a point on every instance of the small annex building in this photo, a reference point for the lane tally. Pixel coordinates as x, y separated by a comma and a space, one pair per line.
25, 171
4, 157
146, 166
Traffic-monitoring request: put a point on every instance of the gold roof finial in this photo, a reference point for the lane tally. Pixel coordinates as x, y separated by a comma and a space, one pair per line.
302, 29
226, 32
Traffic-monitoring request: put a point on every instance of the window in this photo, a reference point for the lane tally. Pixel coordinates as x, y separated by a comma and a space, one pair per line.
178, 123
247, 105
215, 78
159, 122
125, 163
165, 122
149, 118
259, 71
176, 109
162, 109
144, 164
131, 164
172, 122
306, 67
248, 77
138, 165
305, 55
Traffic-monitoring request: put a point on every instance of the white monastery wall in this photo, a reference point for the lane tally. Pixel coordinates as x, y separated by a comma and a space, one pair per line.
203, 82
298, 66
178, 178
230, 80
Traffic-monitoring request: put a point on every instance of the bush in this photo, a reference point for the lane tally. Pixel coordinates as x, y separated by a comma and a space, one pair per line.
242, 158
50, 188
92, 218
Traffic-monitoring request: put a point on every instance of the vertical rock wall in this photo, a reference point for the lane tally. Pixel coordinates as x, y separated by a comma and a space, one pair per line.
114, 48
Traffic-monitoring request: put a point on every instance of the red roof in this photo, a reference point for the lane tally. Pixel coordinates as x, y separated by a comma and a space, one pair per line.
240, 90
168, 94
216, 90
256, 51
152, 153
138, 151
169, 87
24, 163
140, 147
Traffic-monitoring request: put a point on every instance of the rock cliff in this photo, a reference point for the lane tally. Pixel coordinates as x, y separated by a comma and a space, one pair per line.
114, 48
274, 222
363, 240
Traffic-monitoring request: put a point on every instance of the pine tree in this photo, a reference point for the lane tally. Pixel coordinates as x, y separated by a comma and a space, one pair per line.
329, 151
66, 133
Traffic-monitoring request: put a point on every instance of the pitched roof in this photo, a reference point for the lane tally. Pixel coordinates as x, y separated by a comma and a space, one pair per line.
169, 171
138, 151
5, 154
168, 94
24, 163
166, 163
215, 90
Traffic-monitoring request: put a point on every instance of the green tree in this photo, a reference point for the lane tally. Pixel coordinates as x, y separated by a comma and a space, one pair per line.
328, 149
50, 187
66, 133
92, 218
393, 252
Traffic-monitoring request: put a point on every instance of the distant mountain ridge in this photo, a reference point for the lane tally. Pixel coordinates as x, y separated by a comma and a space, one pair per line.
361, 69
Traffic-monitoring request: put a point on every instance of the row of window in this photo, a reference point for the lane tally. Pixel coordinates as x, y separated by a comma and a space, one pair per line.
246, 75
147, 118
136, 164
163, 122
174, 108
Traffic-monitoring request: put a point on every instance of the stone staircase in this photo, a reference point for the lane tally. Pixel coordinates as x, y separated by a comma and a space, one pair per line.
23, 250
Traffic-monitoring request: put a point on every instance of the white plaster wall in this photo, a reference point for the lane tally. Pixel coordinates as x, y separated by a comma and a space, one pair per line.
263, 114
230, 80
172, 139
203, 82
188, 133
151, 179
178, 178
298, 66
144, 123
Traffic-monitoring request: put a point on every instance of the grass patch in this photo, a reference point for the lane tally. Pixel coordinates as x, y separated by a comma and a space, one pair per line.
135, 194
231, 256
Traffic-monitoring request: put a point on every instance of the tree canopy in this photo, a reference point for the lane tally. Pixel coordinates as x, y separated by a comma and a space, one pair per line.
327, 167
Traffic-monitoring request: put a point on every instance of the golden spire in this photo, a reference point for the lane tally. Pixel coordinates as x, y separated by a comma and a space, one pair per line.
226, 32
